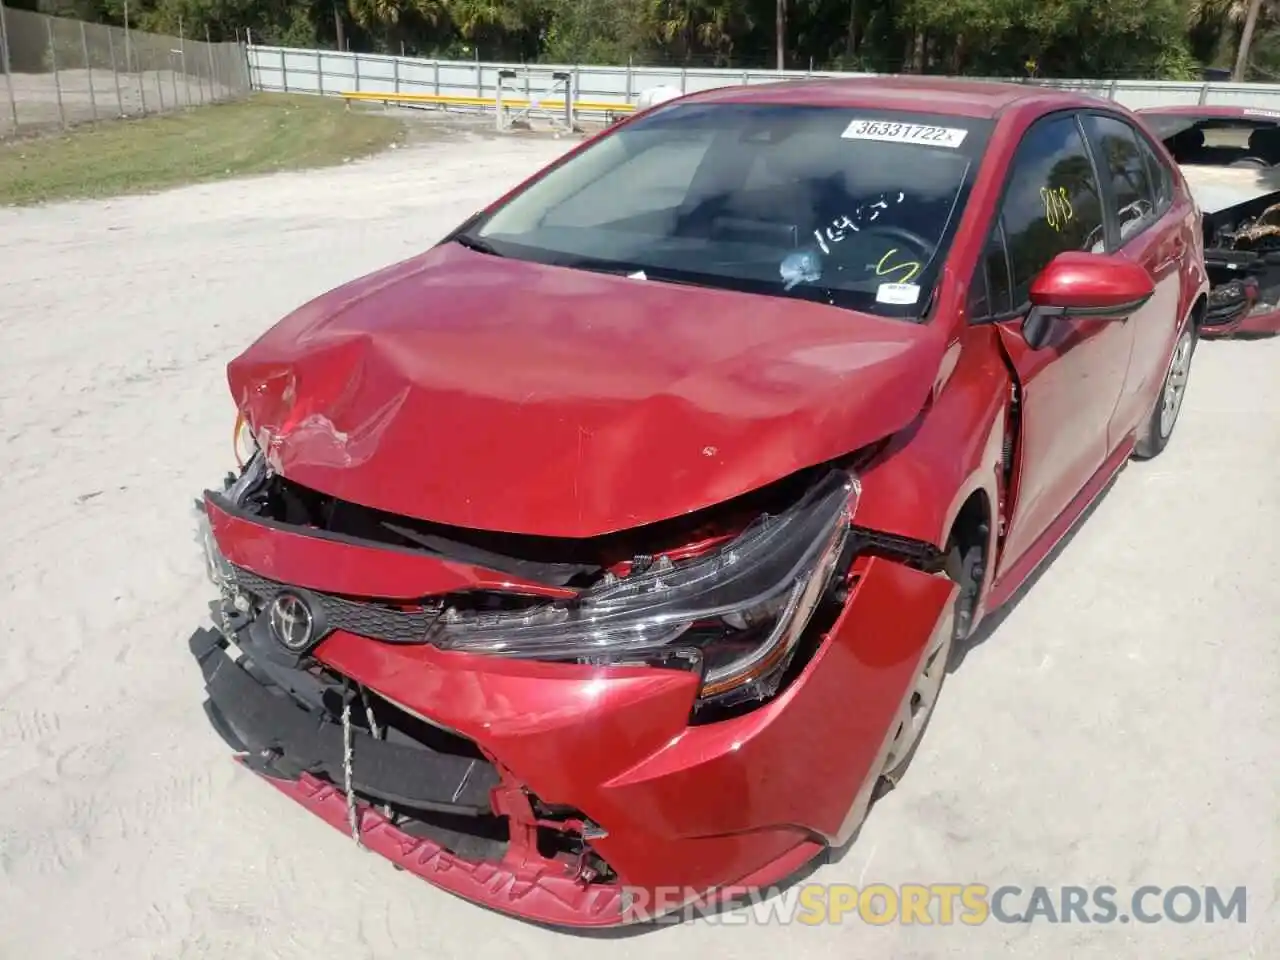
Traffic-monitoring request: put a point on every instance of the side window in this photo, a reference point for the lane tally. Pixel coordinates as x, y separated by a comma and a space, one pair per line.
1052, 203
980, 293
1133, 200
990, 294
1161, 179
999, 285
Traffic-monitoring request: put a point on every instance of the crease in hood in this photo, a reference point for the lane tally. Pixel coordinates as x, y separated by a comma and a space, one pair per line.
476, 391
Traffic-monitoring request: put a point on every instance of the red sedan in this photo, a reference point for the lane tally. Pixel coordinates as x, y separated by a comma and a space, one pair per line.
1230, 158
612, 552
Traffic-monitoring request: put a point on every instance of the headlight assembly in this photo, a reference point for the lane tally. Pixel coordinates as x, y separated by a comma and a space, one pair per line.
736, 614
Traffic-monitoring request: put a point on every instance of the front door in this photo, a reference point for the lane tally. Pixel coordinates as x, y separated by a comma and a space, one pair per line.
1070, 387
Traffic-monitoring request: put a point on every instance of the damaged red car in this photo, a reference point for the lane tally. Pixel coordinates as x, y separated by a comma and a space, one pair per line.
618, 544
1230, 158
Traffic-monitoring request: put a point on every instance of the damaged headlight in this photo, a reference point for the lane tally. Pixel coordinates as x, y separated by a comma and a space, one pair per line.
736, 614
243, 443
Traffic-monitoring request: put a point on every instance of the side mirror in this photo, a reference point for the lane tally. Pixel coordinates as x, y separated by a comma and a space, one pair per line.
1079, 284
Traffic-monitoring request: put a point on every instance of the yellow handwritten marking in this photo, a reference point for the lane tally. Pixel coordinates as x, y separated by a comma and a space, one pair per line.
911, 267
1057, 206
1066, 202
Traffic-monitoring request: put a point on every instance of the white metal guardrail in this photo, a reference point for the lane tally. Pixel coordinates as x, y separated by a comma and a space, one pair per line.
335, 72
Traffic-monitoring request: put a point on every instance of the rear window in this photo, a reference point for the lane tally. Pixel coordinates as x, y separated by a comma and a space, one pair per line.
850, 207
1251, 139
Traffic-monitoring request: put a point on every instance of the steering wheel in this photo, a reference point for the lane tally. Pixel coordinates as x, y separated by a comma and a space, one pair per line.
918, 250
1255, 162
919, 244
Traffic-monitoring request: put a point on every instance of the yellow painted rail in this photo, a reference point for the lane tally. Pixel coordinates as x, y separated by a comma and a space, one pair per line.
589, 106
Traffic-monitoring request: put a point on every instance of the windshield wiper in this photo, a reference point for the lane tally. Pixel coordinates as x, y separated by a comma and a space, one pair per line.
476, 244
633, 270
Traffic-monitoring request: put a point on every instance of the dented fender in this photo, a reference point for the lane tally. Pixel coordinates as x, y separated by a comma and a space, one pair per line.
917, 485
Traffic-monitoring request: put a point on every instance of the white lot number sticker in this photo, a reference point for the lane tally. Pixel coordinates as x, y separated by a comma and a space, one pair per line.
904, 133
899, 293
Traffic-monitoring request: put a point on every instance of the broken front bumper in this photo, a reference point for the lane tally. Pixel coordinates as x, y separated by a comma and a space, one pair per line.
301, 752
1256, 322
654, 809
1243, 295
1234, 308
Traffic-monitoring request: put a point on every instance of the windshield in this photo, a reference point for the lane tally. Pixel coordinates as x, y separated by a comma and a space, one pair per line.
850, 207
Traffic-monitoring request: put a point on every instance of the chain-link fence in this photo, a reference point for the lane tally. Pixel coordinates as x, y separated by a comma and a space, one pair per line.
59, 72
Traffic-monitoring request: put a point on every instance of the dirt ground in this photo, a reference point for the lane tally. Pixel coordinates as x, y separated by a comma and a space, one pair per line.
1119, 726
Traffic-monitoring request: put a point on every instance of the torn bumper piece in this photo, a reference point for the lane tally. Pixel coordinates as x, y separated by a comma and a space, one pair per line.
531, 892
544, 892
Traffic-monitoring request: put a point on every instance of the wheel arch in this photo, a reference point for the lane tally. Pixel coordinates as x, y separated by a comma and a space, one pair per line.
1198, 309
973, 528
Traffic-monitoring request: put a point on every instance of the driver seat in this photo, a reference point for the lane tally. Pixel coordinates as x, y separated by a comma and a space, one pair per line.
1186, 145
1264, 143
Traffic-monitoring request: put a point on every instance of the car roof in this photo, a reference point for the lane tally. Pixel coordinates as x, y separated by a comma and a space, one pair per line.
1206, 111
977, 99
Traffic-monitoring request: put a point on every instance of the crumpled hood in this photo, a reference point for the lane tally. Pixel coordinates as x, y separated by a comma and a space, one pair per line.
490, 393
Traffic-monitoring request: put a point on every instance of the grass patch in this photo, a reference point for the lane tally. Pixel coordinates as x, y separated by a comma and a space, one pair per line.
266, 133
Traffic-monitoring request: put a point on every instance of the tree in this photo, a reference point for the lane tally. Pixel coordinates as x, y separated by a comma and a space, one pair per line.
1075, 38
1246, 39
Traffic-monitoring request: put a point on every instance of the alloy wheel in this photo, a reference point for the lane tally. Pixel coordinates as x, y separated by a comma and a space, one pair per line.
913, 716
1175, 384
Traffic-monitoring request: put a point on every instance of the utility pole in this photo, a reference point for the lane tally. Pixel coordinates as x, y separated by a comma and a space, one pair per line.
1246, 40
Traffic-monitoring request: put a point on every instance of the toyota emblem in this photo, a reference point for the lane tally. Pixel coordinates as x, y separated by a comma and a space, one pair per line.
292, 622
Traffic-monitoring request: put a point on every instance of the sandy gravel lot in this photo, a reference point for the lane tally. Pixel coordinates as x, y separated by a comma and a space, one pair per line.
1119, 727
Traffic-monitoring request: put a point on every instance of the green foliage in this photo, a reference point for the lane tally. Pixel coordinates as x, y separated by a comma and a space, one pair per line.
1046, 38
596, 31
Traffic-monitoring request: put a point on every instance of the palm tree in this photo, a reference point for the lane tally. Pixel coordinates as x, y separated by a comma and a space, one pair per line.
1206, 12
1242, 15
1246, 38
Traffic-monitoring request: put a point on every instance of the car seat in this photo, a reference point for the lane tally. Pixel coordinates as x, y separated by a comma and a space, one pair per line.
1185, 145
1264, 143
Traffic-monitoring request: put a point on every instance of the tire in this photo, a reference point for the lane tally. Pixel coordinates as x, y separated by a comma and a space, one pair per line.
965, 568
1159, 427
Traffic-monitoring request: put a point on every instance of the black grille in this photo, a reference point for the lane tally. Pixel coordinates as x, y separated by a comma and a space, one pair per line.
372, 620
408, 763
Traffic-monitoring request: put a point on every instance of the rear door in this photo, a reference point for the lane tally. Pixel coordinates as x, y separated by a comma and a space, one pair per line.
1070, 386
1144, 229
